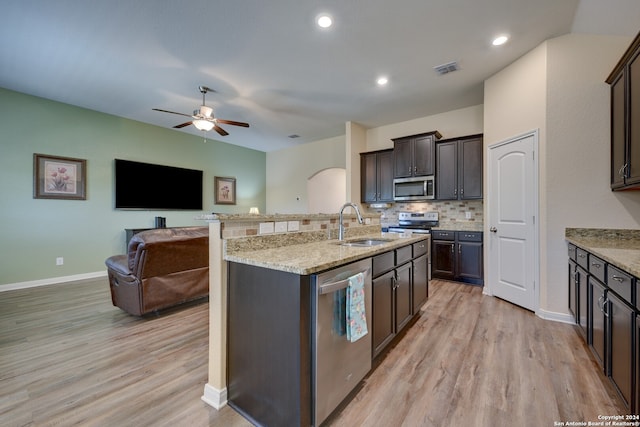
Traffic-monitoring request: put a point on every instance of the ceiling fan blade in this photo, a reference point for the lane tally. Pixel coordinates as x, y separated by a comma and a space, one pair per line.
181, 125
231, 122
171, 112
220, 130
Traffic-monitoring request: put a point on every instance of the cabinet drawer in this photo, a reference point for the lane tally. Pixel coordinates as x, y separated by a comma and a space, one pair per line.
620, 282
470, 236
443, 235
382, 263
403, 255
420, 248
597, 268
572, 251
582, 259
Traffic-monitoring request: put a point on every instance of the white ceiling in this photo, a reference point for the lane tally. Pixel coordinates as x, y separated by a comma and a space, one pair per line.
271, 66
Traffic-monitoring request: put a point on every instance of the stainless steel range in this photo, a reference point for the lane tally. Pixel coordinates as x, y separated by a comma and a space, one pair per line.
415, 222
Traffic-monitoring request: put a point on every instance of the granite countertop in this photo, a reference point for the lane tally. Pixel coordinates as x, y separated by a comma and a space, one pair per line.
314, 257
618, 247
460, 226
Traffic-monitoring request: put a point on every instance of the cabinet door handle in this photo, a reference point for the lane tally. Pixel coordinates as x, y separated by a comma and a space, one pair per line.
462, 191
596, 265
576, 277
582, 256
460, 249
623, 171
605, 303
455, 192
618, 278
600, 303
452, 250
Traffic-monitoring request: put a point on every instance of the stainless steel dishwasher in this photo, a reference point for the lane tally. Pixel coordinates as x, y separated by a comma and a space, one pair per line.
338, 364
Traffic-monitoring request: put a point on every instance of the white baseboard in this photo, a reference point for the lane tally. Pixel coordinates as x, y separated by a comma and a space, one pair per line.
214, 397
556, 317
52, 281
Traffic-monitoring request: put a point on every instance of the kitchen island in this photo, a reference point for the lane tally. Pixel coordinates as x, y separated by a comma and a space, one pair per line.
284, 345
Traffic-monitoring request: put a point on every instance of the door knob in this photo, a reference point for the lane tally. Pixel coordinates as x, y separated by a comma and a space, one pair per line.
493, 229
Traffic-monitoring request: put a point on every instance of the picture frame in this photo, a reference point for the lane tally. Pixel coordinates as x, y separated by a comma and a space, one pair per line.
224, 190
56, 177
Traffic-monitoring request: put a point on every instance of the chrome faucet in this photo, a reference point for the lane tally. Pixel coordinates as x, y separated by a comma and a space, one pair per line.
341, 225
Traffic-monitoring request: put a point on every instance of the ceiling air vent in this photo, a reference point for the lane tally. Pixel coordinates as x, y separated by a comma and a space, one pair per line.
447, 68
294, 136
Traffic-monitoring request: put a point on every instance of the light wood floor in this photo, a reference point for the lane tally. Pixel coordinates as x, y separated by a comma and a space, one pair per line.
68, 357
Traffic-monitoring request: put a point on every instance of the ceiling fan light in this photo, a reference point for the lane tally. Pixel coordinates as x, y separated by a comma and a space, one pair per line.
206, 111
204, 125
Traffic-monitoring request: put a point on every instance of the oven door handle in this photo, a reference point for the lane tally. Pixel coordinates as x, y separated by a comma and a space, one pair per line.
331, 287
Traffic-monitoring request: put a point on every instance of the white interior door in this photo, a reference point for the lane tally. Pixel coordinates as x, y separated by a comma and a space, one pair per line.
512, 211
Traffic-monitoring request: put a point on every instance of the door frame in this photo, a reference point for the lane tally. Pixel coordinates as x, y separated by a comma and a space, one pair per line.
536, 212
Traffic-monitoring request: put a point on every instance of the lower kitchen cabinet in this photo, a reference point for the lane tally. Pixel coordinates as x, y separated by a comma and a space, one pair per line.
602, 302
598, 342
400, 288
457, 255
383, 321
622, 324
420, 281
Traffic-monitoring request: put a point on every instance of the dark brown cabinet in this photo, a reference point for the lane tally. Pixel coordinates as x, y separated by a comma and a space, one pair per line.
621, 329
400, 287
603, 297
415, 155
459, 168
625, 119
376, 176
457, 255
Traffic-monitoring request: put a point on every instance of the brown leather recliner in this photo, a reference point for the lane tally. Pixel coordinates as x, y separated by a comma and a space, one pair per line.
163, 267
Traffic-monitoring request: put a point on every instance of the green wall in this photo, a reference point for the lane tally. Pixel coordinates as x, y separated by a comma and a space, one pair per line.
33, 232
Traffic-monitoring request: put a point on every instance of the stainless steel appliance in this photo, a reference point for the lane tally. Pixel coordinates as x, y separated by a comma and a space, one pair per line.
338, 365
414, 188
416, 222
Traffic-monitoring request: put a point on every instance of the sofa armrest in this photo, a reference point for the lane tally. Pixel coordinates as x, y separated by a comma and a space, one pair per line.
119, 264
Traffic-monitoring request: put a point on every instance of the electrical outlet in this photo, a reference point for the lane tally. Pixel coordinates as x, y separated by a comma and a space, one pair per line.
59, 260
467, 215
281, 227
266, 228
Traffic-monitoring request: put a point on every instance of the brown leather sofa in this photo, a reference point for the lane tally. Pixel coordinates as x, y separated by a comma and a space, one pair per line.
163, 267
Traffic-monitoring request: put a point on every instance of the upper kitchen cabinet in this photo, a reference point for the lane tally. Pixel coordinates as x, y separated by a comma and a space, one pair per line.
625, 119
459, 168
376, 181
415, 155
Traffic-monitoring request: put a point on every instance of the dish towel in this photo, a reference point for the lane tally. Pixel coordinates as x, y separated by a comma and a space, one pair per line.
355, 308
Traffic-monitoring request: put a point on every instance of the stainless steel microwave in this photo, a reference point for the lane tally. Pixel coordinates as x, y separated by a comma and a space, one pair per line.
414, 188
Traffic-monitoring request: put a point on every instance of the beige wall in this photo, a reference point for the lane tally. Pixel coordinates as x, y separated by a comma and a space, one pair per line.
289, 169
559, 89
462, 122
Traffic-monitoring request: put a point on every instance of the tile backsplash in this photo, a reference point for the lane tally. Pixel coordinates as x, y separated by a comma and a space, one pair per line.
451, 211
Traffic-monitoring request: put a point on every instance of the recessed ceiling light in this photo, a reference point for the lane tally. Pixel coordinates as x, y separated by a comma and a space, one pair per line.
382, 80
500, 40
324, 21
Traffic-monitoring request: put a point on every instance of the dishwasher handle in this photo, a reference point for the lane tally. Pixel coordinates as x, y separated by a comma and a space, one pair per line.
331, 287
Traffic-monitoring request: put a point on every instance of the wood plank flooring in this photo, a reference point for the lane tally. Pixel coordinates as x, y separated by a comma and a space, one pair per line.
68, 357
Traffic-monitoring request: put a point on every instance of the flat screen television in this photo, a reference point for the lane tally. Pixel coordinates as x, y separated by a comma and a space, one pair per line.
148, 186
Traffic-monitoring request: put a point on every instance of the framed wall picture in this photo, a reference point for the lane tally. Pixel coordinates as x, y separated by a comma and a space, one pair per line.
57, 177
225, 190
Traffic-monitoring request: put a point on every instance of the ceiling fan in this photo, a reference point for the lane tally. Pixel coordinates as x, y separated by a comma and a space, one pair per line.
203, 118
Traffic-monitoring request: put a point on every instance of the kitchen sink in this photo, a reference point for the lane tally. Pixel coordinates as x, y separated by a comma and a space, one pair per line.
364, 242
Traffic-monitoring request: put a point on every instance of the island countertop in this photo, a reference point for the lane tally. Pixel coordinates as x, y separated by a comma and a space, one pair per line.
618, 247
314, 257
